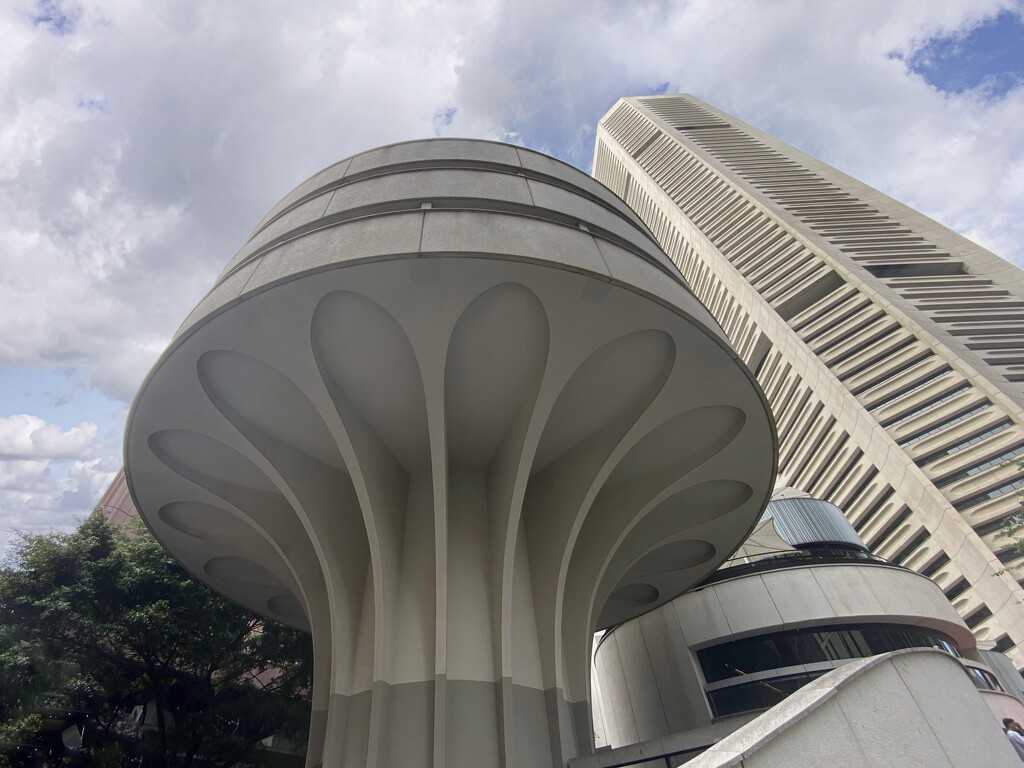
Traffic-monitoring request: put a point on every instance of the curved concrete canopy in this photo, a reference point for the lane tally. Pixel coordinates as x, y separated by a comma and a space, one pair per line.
452, 409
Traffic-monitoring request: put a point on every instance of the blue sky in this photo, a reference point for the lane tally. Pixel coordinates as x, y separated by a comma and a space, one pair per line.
59, 396
140, 142
988, 56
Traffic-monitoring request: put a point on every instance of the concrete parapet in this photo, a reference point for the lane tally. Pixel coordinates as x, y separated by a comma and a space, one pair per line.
908, 708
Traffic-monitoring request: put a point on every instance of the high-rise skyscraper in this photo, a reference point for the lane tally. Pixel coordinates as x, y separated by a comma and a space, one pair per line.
891, 349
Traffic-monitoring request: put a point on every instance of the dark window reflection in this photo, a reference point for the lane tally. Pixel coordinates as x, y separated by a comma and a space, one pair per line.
807, 646
760, 695
983, 681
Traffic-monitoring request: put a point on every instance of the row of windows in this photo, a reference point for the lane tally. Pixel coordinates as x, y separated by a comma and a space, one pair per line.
866, 387
982, 466
994, 493
944, 425
771, 561
764, 694
899, 394
926, 407
809, 646
964, 444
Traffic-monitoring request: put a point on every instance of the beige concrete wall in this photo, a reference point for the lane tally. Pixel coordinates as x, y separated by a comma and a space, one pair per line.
1003, 705
819, 595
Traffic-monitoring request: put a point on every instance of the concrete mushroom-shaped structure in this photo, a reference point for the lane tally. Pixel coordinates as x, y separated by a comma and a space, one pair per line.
452, 409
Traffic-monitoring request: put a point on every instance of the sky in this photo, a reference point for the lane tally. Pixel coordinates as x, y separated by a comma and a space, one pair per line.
141, 140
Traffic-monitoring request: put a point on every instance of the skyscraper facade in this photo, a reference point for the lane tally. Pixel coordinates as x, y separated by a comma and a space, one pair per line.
890, 348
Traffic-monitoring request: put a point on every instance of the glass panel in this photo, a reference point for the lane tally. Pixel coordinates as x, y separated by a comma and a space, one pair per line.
757, 695
808, 646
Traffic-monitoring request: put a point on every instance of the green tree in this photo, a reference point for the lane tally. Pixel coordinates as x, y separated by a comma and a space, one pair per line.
1013, 526
104, 619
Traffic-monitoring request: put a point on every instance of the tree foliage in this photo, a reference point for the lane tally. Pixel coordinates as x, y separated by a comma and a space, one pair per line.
104, 620
1013, 527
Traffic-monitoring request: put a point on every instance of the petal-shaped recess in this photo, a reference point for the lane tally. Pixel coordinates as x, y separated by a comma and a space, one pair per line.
248, 390
674, 556
205, 521
286, 606
698, 504
369, 366
241, 570
214, 466
684, 442
495, 361
634, 595
691, 507
621, 377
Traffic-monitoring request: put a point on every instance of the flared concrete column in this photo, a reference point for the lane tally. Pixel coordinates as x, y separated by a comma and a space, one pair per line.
451, 409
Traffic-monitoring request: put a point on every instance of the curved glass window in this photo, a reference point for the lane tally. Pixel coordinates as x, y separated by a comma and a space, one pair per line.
808, 646
781, 560
983, 681
761, 694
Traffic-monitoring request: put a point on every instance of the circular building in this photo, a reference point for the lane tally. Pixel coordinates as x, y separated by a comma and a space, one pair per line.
451, 409
801, 597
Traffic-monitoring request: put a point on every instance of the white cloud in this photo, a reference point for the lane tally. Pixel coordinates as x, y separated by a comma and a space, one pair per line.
24, 476
138, 149
26, 437
49, 478
819, 75
57, 503
141, 141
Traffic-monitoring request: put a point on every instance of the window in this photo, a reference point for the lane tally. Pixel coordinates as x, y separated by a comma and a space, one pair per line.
890, 529
904, 392
927, 407
944, 425
977, 616
1004, 643
995, 493
983, 681
1001, 427
932, 568
982, 466
739, 659
756, 695
807, 646
956, 589
905, 552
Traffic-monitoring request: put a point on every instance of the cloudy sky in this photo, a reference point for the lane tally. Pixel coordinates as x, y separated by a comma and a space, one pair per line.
141, 140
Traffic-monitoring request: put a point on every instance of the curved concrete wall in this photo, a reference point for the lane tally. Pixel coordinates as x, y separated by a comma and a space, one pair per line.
451, 408
1003, 705
650, 682
904, 708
